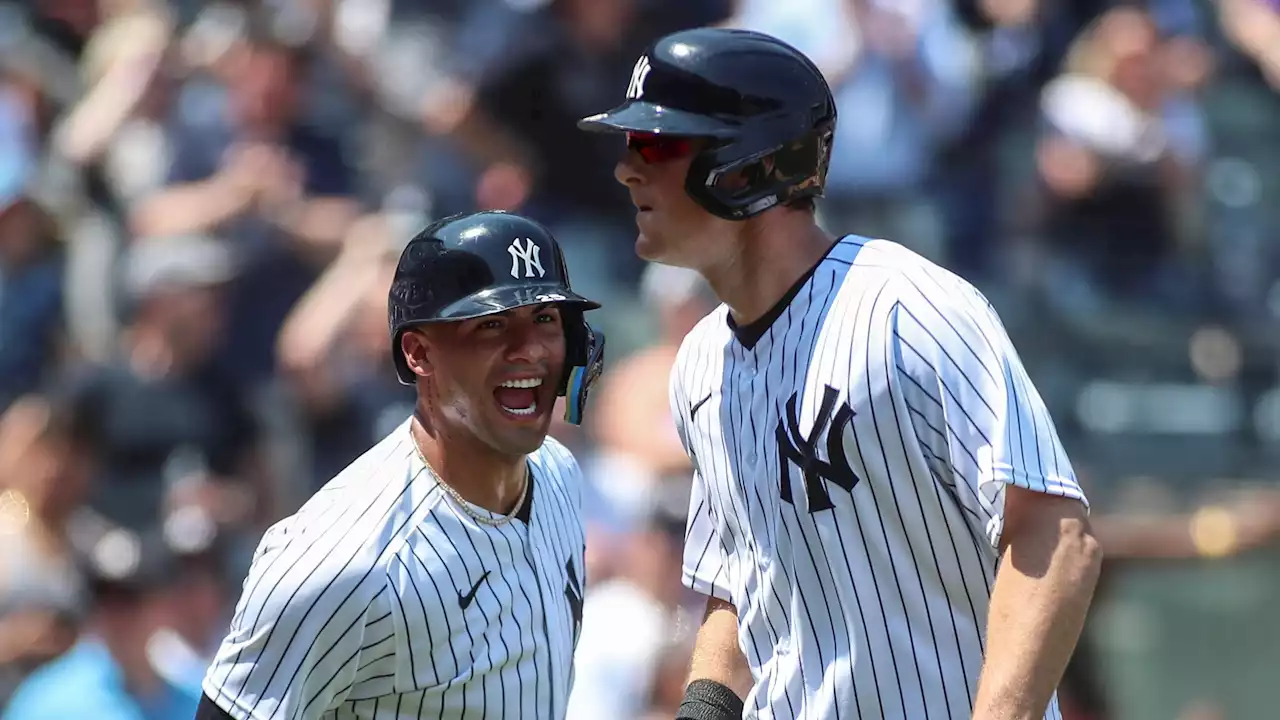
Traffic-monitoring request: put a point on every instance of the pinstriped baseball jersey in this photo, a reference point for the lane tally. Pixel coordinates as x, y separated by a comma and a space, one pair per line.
851, 450
381, 599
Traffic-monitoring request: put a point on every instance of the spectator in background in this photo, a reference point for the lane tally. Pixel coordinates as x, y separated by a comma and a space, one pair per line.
181, 649
114, 137
66, 23
1253, 26
251, 169
1241, 522
670, 678
418, 59
44, 467
336, 356
107, 675
629, 622
904, 77
169, 419
637, 450
30, 259
118, 125
1113, 170
561, 59
518, 120
1019, 47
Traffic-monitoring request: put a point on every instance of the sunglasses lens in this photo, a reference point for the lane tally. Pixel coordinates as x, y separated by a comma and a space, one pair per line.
658, 148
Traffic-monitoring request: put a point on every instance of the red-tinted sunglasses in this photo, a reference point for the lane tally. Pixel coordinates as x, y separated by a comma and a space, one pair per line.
654, 148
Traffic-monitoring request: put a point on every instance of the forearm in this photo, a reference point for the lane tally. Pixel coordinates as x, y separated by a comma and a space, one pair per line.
1145, 538
716, 655
191, 208
455, 113
1042, 593
318, 225
85, 132
317, 320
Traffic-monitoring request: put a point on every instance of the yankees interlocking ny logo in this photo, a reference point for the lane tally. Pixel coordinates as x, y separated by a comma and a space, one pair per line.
639, 74
529, 253
803, 451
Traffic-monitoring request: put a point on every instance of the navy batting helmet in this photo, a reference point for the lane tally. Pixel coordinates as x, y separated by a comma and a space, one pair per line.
471, 265
764, 109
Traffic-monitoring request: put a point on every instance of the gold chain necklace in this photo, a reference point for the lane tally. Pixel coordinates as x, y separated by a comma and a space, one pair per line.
461, 502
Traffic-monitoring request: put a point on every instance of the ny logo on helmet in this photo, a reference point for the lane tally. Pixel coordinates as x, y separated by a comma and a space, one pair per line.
529, 254
638, 75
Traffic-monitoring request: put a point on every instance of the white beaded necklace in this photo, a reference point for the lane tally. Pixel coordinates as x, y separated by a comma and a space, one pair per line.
461, 502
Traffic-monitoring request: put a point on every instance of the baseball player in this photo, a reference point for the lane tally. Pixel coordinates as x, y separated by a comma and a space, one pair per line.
882, 515
441, 573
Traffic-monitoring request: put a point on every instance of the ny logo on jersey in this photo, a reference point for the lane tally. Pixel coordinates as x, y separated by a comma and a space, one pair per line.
529, 253
639, 74
793, 448
573, 593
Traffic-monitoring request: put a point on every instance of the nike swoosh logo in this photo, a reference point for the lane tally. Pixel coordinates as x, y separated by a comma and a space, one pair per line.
464, 601
699, 404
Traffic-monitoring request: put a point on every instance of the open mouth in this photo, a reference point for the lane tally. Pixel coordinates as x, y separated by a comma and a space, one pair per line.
519, 398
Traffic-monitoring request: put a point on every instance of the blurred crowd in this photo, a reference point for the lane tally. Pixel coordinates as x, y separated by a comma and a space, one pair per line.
201, 202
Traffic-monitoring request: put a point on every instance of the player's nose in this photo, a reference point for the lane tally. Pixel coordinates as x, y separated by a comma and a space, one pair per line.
528, 348
627, 170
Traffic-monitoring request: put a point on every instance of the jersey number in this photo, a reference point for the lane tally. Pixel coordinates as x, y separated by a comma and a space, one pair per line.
801, 451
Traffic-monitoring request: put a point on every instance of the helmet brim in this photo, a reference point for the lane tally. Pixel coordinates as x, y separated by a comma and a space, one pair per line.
495, 300
489, 302
647, 117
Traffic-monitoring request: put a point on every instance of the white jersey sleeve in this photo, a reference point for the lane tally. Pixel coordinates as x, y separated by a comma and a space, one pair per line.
978, 419
705, 564
294, 648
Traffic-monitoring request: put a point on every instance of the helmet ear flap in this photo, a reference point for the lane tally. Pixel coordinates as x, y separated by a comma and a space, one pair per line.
584, 363
575, 344
740, 179
732, 189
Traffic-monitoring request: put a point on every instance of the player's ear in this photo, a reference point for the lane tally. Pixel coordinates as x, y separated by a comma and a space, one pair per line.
414, 345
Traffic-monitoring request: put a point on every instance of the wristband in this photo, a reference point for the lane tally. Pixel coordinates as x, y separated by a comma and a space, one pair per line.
709, 700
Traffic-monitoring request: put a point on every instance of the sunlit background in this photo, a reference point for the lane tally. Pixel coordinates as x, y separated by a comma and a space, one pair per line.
201, 202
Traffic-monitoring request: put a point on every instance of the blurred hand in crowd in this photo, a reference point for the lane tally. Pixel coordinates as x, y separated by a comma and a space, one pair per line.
1254, 27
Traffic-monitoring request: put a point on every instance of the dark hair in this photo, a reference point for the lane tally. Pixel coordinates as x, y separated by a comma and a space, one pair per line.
804, 203
48, 236
61, 419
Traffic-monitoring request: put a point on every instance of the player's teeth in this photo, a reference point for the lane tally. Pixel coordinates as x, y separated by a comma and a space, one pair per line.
526, 383
522, 411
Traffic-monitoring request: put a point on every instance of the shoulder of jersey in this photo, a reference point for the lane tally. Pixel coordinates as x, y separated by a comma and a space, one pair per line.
880, 257
554, 459
912, 276
712, 330
363, 505
875, 260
